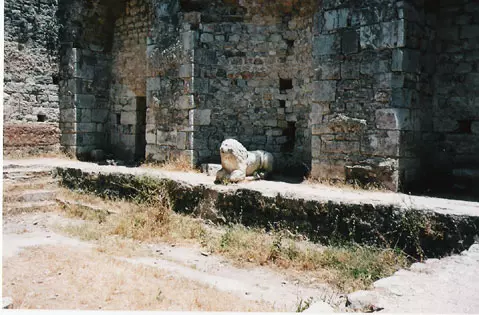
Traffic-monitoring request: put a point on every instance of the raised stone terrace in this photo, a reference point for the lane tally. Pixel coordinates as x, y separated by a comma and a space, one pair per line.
422, 226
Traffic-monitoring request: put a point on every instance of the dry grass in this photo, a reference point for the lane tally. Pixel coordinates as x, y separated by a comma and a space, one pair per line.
65, 278
348, 268
181, 163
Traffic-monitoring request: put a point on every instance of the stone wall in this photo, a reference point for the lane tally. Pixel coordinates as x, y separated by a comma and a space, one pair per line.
170, 97
253, 83
223, 70
373, 90
85, 71
456, 96
31, 71
30, 99
128, 86
26, 139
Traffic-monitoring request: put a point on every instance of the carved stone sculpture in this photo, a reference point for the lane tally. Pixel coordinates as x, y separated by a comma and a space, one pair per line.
237, 162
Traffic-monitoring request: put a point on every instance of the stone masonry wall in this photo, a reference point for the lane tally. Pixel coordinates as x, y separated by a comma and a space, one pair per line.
253, 77
456, 98
31, 57
169, 85
128, 86
364, 107
85, 71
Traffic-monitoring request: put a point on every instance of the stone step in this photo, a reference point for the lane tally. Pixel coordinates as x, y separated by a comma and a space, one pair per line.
32, 196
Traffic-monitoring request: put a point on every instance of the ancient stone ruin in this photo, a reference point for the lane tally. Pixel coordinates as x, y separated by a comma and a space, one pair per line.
365, 90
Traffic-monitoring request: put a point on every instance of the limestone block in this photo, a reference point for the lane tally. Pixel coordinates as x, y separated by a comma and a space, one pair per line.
185, 71
340, 146
86, 127
328, 71
207, 38
181, 140
349, 70
316, 147
166, 137
68, 115
383, 35
341, 123
393, 119
200, 117
381, 144
350, 42
153, 84
334, 19
99, 115
324, 91
405, 60
326, 44
185, 102
150, 137
68, 139
380, 171
84, 115
84, 100
128, 118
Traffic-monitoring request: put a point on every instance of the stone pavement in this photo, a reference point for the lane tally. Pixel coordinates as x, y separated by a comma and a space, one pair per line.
447, 285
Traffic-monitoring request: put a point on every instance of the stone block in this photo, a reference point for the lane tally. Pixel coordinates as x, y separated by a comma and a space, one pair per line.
85, 101
383, 35
68, 139
128, 118
349, 70
316, 147
207, 38
185, 102
99, 115
405, 60
182, 140
153, 84
84, 115
150, 137
328, 70
200, 117
334, 19
185, 71
328, 169
381, 144
68, 115
324, 91
326, 44
393, 119
166, 137
86, 127
336, 146
350, 42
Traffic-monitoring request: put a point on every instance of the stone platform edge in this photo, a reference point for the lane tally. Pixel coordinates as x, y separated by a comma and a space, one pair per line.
420, 233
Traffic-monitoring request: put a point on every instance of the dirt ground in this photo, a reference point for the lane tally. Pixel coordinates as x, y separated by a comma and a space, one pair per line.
61, 277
